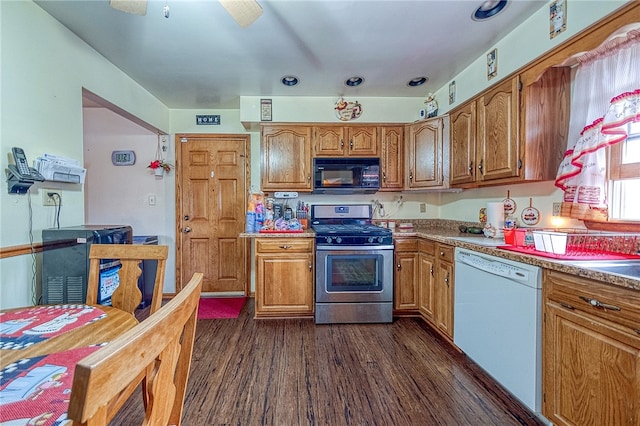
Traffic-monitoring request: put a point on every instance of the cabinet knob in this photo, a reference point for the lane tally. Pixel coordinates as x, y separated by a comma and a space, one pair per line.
186, 230
480, 166
431, 271
446, 279
285, 247
187, 217
398, 266
410, 175
471, 167
384, 177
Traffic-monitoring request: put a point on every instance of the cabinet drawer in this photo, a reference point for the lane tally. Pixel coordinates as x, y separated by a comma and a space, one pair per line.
409, 244
284, 245
444, 253
612, 303
427, 246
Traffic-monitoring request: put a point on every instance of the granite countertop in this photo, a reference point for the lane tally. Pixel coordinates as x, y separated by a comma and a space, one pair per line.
446, 232
448, 236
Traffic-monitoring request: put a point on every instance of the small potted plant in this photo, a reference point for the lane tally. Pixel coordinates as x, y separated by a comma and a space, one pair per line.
159, 167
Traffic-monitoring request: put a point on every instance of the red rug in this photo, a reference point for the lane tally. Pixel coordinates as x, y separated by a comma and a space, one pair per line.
220, 307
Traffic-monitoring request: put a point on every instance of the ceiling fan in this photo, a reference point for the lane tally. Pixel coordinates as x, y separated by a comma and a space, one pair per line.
245, 12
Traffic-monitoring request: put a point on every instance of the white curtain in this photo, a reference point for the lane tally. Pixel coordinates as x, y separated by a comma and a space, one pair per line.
605, 98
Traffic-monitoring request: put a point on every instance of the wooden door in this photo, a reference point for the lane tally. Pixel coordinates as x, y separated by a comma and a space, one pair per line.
391, 158
427, 285
444, 298
328, 141
212, 192
498, 128
285, 155
463, 144
363, 141
424, 167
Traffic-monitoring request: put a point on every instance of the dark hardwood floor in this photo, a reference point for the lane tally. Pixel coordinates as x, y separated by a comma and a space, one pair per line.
293, 372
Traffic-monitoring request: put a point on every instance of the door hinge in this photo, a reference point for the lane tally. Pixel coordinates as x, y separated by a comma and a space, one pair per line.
519, 164
184, 140
520, 86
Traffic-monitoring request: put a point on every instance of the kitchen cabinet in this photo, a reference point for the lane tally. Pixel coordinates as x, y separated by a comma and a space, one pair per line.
405, 288
284, 277
427, 154
285, 155
510, 133
427, 278
346, 141
591, 352
443, 289
391, 158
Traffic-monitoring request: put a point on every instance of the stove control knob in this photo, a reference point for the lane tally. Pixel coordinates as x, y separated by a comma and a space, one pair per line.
380, 239
338, 240
328, 240
370, 239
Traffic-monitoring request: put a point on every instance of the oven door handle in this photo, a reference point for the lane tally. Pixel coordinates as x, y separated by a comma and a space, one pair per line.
353, 248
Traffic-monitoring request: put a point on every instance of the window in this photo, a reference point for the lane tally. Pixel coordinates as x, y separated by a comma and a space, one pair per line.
624, 176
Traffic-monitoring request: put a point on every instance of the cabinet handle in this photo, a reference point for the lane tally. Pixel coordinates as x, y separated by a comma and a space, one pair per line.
398, 266
410, 175
431, 270
441, 253
446, 279
341, 143
351, 143
384, 177
471, 167
285, 247
310, 266
480, 166
567, 306
597, 304
308, 177
637, 330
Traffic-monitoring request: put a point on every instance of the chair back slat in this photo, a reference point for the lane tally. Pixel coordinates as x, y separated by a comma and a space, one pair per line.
127, 296
160, 347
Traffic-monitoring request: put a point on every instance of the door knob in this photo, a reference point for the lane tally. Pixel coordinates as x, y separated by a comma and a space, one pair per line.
186, 230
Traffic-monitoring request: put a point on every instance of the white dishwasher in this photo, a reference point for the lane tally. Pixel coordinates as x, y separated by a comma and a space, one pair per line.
498, 321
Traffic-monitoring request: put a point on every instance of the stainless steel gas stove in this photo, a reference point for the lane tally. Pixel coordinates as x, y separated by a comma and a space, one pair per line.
354, 265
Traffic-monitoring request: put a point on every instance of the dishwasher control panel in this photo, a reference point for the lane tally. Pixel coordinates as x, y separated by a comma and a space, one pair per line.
500, 267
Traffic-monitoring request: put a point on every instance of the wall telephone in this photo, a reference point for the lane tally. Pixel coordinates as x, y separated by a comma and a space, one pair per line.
21, 176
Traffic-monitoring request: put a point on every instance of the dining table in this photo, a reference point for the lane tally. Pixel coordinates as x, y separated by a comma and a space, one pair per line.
39, 348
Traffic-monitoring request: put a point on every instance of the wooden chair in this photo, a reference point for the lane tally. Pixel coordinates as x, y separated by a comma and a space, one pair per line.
127, 296
161, 346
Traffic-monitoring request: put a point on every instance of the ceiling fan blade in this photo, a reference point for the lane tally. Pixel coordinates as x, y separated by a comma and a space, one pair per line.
245, 12
138, 7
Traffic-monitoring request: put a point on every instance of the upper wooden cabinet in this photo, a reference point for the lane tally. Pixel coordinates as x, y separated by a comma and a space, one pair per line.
346, 141
286, 158
510, 134
391, 158
427, 154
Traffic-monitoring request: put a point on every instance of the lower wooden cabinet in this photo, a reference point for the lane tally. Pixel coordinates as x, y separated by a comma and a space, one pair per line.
591, 352
427, 278
405, 284
284, 277
443, 291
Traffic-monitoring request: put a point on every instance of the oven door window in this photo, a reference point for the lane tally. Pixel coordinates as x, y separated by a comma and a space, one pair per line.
354, 272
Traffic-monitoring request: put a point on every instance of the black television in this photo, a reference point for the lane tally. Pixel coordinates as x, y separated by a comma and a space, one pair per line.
65, 259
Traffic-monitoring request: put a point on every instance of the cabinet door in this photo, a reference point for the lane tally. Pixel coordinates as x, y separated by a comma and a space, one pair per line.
329, 141
284, 284
424, 162
498, 123
405, 282
444, 298
363, 141
286, 158
391, 158
427, 280
463, 144
591, 370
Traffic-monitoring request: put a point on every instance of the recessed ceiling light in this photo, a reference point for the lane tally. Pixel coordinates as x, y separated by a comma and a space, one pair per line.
354, 81
418, 81
290, 80
489, 9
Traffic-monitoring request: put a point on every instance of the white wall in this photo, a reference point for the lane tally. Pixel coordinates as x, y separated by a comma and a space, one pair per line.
119, 195
44, 68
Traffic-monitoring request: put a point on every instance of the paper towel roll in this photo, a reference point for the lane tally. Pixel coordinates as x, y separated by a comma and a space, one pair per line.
495, 217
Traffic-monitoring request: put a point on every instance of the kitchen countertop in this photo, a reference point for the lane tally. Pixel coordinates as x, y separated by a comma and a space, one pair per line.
445, 231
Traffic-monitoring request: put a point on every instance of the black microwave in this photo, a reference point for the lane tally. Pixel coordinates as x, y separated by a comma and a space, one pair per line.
346, 175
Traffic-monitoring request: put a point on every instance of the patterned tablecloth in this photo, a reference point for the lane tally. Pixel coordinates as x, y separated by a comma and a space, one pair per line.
24, 327
35, 391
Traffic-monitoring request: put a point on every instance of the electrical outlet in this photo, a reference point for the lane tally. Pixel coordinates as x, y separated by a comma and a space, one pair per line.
556, 209
423, 207
48, 200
